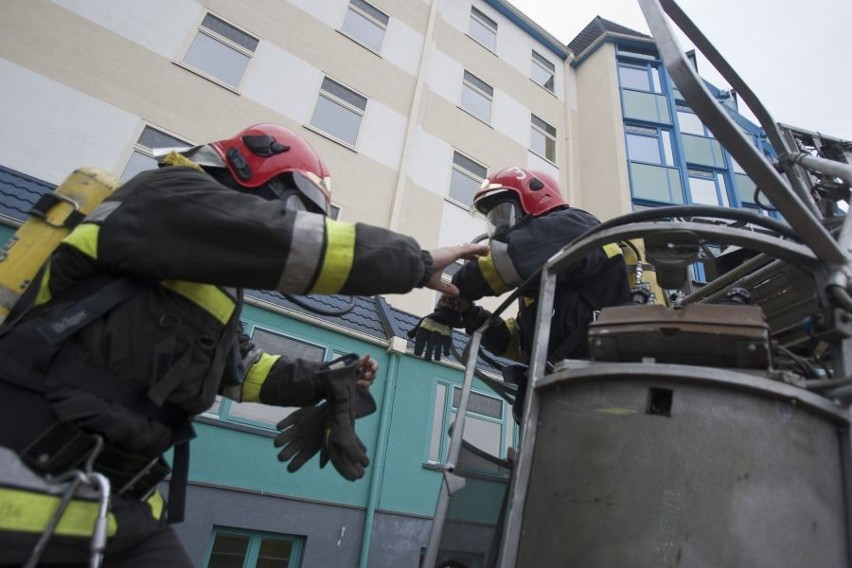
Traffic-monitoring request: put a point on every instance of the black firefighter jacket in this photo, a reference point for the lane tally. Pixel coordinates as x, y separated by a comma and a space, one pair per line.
197, 244
596, 281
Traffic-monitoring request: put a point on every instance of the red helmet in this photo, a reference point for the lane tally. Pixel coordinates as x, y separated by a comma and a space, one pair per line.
264, 151
537, 192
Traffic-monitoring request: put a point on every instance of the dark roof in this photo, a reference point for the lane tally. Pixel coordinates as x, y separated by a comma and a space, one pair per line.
370, 316
19, 192
596, 28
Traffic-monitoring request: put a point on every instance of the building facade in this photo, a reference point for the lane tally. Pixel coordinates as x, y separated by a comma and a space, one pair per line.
412, 104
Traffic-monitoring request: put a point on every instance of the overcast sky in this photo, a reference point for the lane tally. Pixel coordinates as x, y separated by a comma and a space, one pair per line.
794, 54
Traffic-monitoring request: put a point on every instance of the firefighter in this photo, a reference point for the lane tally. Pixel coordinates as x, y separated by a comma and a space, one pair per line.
528, 221
132, 328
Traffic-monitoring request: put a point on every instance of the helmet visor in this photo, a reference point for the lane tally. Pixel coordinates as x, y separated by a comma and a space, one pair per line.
502, 216
314, 189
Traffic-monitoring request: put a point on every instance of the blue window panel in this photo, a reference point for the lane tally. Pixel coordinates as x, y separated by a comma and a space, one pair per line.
656, 183
643, 149
648, 107
744, 187
702, 151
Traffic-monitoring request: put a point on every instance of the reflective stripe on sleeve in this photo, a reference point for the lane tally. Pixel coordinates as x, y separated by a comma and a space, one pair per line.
26, 511
305, 253
84, 238
339, 255
489, 273
504, 265
513, 350
256, 376
219, 304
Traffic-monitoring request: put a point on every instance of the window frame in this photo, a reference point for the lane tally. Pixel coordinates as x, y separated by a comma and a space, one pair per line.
469, 81
541, 62
486, 23
255, 540
536, 128
223, 405
436, 454
141, 149
461, 170
342, 103
226, 42
357, 10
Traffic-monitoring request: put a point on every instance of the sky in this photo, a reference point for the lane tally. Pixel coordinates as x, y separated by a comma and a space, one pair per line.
793, 54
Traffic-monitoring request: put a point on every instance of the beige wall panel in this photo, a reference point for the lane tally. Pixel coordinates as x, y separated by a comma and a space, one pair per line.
604, 185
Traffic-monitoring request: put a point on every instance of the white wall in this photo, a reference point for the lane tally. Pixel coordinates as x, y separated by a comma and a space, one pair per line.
40, 116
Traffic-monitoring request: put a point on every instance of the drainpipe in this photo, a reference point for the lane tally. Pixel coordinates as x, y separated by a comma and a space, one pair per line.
413, 115
396, 348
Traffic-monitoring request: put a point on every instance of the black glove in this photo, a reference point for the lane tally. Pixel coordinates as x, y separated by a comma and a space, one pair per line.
347, 453
303, 431
434, 333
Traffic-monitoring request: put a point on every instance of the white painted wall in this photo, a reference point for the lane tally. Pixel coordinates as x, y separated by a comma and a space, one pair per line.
47, 129
402, 46
381, 135
282, 82
458, 226
431, 159
330, 12
159, 25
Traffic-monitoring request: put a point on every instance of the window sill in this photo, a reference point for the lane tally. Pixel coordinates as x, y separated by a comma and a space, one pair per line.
542, 87
210, 78
469, 113
225, 423
548, 160
365, 46
482, 45
331, 137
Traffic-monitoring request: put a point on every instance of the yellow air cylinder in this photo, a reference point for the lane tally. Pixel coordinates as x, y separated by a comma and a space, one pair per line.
646, 272
50, 221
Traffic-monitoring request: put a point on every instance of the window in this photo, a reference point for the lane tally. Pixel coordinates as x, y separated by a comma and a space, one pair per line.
651, 163
483, 29
708, 188
488, 424
641, 93
237, 548
543, 71
257, 414
543, 139
220, 51
365, 24
465, 178
339, 111
143, 151
690, 123
647, 144
476, 97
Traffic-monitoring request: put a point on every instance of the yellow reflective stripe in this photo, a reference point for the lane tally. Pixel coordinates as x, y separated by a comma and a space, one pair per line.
339, 254
44, 294
611, 250
218, 303
489, 272
26, 511
513, 350
156, 502
256, 376
84, 238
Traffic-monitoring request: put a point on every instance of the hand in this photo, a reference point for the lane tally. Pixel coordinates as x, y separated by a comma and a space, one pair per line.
445, 256
434, 333
366, 372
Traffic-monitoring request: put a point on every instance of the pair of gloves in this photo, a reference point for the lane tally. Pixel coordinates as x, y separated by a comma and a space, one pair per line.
433, 334
329, 427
